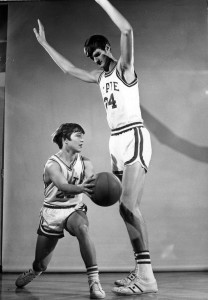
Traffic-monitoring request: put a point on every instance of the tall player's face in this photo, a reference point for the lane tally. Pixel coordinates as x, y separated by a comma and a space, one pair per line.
76, 142
101, 58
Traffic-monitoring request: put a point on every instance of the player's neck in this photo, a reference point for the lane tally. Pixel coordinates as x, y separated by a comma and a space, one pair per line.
67, 157
111, 65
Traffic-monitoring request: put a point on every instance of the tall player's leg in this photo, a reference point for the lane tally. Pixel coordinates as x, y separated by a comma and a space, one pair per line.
142, 277
132, 190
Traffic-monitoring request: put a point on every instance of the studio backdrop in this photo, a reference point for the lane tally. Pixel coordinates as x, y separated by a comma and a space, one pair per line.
171, 64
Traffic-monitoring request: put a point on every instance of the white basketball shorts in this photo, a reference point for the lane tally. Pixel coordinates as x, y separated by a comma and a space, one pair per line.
53, 219
128, 147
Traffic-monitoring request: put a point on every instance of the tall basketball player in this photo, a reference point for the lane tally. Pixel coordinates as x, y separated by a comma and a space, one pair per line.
67, 175
130, 145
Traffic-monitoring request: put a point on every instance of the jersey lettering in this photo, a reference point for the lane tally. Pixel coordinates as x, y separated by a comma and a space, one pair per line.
110, 101
112, 86
61, 194
120, 99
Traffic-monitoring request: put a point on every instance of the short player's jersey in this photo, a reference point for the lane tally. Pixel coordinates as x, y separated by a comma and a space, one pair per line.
74, 175
121, 99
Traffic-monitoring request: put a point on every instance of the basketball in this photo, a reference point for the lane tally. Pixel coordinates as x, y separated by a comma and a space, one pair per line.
107, 190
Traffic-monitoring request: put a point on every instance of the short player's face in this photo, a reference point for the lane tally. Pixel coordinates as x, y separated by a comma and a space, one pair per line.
101, 58
76, 142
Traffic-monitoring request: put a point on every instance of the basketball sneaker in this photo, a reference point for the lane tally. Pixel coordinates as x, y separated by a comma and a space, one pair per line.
127, 280
136, 287
26, 277
96, 291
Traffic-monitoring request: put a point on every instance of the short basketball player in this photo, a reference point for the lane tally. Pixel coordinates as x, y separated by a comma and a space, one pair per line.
67, 175
130, 145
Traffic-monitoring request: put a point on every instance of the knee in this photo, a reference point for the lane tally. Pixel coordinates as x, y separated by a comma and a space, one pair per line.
129, 213
127, 206
82, 231
125, 212
128, 199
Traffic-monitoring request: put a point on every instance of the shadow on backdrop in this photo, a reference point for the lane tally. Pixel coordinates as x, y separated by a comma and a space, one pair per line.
167, 137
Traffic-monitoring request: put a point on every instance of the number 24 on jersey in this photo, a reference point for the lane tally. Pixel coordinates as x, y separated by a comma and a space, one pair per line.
110, 101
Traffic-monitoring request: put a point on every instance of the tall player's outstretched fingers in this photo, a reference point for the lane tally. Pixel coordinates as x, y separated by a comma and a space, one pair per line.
40, 34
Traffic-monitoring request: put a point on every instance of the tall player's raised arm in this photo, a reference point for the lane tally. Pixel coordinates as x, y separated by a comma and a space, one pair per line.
127, 47
63, 63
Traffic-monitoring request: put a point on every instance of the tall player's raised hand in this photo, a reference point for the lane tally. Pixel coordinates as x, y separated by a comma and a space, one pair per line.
41, 34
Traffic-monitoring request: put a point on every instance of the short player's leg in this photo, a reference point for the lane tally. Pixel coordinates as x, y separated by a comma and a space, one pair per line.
43, 254
44, 251
77, 225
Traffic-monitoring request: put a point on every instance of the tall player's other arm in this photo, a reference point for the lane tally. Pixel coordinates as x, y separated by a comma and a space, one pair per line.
63, 63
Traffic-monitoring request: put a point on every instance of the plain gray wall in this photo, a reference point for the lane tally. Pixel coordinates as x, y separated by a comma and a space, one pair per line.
171, 63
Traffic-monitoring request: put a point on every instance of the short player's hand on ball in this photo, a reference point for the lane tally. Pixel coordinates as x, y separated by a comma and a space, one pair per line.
41, 34
88, 186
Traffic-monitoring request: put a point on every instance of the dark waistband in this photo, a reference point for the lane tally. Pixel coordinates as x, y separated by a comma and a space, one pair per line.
126, 128
58, 206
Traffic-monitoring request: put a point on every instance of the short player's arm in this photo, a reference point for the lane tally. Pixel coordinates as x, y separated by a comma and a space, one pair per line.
63, 63
56, 176
127, 47
89, 171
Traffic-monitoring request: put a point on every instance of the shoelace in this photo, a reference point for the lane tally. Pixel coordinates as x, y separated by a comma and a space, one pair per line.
131, 276
30, 272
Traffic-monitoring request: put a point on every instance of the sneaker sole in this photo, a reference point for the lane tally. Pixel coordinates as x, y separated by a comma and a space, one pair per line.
130, 291
134, 293
97, 297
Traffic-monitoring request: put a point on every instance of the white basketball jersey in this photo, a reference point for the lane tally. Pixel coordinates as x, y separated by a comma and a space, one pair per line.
121, 99
74, 175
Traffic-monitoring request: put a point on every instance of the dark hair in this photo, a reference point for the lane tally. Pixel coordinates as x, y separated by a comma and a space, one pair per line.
93, 43
65, 131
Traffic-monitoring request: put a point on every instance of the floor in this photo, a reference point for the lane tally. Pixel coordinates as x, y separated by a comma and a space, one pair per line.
172, 286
